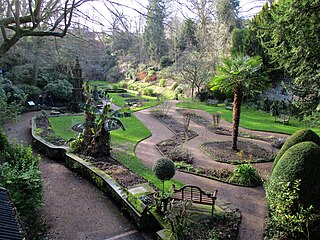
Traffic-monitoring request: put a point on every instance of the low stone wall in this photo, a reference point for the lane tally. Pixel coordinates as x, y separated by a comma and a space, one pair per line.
99, 178
108, 185
57, 153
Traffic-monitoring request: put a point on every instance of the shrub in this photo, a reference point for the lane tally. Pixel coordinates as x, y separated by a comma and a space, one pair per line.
61, 90
165, 61
13, 93
245, 174
30, 91
301, 161
287, 218
147, 91
21, 176
300, 136
164, 169
162, 82
123, 84
174, 86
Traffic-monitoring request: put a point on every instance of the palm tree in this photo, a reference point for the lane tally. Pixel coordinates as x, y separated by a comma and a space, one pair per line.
239, 75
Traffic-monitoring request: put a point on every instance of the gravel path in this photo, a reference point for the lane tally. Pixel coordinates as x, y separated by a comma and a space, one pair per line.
250, 201
73, 207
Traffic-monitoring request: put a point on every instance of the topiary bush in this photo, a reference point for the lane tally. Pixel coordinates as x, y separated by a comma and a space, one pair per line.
300, 136
301, 161
164, 169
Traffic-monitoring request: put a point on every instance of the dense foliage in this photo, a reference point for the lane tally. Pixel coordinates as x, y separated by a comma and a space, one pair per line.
301, 161
289, 32
20, 175
299, 136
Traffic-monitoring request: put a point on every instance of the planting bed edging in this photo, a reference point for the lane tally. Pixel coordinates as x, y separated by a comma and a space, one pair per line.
100, 179
57, 153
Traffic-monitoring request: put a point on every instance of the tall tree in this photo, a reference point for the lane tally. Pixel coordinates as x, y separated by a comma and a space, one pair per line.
154, 36
195, 70
187, 37
20, 19
239, 75
289, 31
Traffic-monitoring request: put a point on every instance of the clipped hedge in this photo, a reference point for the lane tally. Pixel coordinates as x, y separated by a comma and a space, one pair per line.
302, 135
301, 161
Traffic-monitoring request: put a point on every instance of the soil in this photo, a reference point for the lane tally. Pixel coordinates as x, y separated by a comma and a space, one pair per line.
125, 177
222, 151
223, 227
222, 130
174, 126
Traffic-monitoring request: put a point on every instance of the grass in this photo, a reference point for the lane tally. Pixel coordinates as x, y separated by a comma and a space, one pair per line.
123, 144
250, 118
120, 101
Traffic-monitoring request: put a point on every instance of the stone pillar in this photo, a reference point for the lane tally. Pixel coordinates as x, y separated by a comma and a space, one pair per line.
77, 90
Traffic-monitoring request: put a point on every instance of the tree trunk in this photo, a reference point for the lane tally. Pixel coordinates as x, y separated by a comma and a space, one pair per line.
237, 98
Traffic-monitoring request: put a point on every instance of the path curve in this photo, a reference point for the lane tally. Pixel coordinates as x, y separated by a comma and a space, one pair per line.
73, 208
250, 201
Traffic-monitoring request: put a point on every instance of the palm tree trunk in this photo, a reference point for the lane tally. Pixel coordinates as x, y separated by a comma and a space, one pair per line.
237, 98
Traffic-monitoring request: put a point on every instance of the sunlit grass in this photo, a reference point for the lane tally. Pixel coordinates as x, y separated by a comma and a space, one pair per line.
250, 118
122, 142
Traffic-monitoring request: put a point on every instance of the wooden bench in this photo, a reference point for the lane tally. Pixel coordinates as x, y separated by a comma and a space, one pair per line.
195, 195
212, 102
282, 118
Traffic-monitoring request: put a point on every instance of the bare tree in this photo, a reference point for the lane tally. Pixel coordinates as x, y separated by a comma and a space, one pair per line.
195, 70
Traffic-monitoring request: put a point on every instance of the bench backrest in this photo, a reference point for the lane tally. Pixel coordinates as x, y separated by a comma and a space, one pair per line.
195, 194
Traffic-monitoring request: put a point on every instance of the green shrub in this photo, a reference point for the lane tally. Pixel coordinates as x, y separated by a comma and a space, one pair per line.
147, 91
287, 218
164, 169
21, 176
174, 86
301, 161
165, 61
60, 89
245, 174
30, 91
300, 136
4, 144
123, 84
162, 82
14, 95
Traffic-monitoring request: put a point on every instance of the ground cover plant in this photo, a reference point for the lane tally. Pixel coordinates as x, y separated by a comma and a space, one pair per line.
250, 118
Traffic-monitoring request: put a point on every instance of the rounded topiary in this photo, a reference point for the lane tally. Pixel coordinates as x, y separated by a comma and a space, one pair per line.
302, 135
301, 161
164, 169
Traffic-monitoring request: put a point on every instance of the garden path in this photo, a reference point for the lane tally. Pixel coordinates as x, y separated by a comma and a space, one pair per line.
250, 201
73, 207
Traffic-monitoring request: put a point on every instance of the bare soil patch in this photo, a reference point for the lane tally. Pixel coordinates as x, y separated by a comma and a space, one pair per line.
222, 152
221, 130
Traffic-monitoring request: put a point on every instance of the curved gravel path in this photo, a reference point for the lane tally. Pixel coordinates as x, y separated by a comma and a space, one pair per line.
73, 208
250, 201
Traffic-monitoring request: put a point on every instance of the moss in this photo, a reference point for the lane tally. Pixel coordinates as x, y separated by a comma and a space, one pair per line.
301, 161
302, 135
136, 203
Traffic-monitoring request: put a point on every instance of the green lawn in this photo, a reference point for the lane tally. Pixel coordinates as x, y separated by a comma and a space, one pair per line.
251, 119
123, 143
120, 101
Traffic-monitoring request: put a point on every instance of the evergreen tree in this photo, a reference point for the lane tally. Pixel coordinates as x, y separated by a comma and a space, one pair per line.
289, 31
153, 36
187, 37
